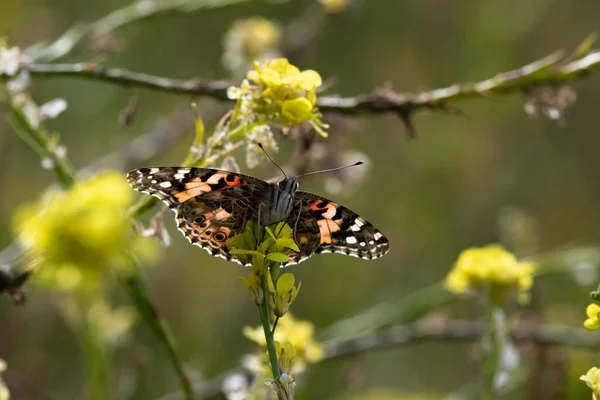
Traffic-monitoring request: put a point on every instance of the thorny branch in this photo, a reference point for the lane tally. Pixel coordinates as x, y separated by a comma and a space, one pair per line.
553, 69
453, 331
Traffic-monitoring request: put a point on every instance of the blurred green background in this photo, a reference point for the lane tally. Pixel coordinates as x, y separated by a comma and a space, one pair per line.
433, 196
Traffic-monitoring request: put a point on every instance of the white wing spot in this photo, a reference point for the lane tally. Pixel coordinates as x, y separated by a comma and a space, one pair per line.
183, 171
377, 235
355, 228
153, 171
179, 176
371, 242
362, 244
351, 240
153, 181
165, 184
358, 222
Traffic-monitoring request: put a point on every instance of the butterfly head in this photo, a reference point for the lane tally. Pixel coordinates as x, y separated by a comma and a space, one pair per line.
288, 185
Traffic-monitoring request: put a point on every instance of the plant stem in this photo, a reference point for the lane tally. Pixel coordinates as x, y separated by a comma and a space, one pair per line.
263, 310
490, 352
135, 288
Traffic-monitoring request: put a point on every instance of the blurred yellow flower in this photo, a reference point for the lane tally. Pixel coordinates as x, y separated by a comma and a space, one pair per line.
300, 334
110, 325
4, 392
335, 6
592, 379
593, 312
278, 92
74, 237
490, 268
248, 40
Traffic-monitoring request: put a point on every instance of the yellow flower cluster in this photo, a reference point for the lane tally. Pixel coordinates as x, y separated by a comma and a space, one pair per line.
593, 313
73, 237
291, 334
4, 392
491, 269
592, 379
278, 92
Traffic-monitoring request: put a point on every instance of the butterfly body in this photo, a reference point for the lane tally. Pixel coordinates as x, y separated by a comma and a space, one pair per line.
212, 206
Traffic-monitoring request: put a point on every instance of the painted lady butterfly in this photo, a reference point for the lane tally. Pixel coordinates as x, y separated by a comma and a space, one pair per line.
213, 205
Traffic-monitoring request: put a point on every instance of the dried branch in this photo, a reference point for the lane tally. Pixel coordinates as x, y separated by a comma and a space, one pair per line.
553, 69
462, 331
450, 331
134, 12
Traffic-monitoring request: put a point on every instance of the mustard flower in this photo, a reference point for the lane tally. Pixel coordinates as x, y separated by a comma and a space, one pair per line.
335, 6
4, 392
278, 92
492, 269
72, 238
300, 334
111, 325
248, 40
592, 379
593, 312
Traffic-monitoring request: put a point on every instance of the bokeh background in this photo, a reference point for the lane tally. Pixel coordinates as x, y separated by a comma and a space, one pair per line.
432, 196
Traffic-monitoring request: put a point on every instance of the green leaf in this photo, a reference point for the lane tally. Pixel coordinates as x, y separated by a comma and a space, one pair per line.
287, 243
237, 241
284, 230
270, 232
249, 236
244, 251
278, 257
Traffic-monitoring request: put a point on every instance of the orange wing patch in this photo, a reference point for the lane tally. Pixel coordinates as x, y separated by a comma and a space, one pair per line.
197, 186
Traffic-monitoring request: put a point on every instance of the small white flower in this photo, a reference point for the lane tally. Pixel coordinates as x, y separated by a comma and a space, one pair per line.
234, 93
10, 60
259, 134
53, 108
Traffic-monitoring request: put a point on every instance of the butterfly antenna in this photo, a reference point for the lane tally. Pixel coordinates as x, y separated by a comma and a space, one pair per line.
332, 169
269, 157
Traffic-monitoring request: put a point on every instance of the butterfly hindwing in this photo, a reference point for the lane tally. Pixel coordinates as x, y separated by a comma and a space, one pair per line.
323, 226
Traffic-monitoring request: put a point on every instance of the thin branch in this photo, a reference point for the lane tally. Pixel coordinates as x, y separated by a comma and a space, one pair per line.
448, 331
134, 12
460, 331
93, 71
547, 71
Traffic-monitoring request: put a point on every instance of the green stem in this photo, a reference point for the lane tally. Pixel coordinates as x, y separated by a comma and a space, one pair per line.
135, 288
96, 363
266, 324
490, 353
263, 310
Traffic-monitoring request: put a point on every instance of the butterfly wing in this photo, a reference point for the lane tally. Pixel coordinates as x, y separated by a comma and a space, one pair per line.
210, 205
322, 226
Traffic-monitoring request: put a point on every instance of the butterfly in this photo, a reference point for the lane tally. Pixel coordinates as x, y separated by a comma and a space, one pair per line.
213, 205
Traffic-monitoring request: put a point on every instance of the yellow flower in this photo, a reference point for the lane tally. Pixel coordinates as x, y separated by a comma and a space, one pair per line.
74, 237
493, 269
248, 40
110, 325
4, 392
278, 92
592, 322
592, 379
335, 6
298, 333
